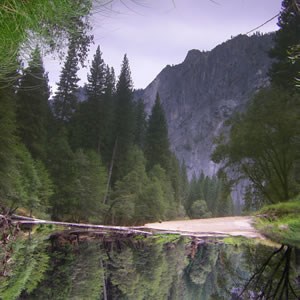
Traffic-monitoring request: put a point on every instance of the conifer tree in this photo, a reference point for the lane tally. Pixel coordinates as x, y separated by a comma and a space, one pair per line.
157, 143
124, 118
33, 108
140, 124
88, 122
65, 100
284, 71
108, 118
8, 141
96, 78
184, 184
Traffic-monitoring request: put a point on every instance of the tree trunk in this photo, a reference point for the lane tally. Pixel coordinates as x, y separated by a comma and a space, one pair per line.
110, 171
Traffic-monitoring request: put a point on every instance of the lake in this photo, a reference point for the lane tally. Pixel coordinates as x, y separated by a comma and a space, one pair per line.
158, 267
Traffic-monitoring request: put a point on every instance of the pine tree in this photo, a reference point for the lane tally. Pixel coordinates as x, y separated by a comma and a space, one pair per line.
184, 184
88, 187
284, 71
8, 142
65, 100
96, 78
157, 147
62, 171
33, 108
140, 124
108, 118
88, 122
127, 204
124, 118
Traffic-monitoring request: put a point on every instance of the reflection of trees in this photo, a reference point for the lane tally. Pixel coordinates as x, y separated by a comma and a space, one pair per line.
273, 279
150, 271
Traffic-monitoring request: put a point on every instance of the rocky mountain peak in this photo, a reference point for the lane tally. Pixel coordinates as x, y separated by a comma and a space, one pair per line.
203, 91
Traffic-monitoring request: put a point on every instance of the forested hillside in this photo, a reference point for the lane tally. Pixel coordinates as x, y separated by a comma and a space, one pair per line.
98, 160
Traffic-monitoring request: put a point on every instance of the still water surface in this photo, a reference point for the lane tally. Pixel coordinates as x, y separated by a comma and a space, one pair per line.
160, 267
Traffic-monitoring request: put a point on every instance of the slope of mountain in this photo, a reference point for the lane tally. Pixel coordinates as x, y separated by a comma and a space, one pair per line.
203, 91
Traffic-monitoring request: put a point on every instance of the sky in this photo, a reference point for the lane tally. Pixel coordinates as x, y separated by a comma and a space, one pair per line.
155, 33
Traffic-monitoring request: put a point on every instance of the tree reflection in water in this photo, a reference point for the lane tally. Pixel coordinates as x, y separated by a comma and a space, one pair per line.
157, 268
276, 278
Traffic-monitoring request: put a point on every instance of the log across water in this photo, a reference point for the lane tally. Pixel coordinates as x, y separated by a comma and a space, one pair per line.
213, 227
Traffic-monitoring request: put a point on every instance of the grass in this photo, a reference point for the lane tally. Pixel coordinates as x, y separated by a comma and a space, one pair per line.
281, 222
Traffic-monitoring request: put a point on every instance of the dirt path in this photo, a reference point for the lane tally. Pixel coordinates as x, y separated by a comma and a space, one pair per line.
229, 226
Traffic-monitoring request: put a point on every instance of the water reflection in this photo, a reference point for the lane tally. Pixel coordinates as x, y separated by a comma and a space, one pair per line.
159, 268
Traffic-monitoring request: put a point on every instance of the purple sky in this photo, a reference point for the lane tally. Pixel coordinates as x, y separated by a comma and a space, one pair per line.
155, 33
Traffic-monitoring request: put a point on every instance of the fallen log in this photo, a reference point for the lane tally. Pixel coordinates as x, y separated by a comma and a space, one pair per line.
16, 219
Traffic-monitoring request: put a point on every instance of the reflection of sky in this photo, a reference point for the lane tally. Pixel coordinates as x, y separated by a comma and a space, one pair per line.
155, 33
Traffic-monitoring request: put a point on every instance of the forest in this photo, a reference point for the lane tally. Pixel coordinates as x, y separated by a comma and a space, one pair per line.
92, 153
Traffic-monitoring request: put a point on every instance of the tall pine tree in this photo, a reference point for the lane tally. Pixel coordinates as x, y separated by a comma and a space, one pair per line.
8, 141
140, 124
124, 118
65, 100
33, 108
157, 147
88, 121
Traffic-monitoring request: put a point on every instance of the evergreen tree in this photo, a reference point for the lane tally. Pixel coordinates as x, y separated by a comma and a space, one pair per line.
127, 204
108, 117
157, 147
8, 141
32, 185
183, 185
193, 193
65, 100
166, 206
96, 78
140, 124
124, 118
174, 175
284, 71
88, 122
32, 107
88, 187
62, 171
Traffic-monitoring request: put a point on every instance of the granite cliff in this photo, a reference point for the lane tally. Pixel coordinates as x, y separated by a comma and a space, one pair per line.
203, 91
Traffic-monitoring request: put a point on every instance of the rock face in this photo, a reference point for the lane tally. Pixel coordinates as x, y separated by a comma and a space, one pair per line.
203, 91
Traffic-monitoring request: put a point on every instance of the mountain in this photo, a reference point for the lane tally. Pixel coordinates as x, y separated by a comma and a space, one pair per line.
203, 91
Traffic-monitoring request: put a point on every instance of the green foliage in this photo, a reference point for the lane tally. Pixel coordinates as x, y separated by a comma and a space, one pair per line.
263, 145
80, 181
32, 107
214, 191
8, 142
51, 22
286, 67
199, 210
127, 201
60, 158
55, 167
32, 186
124, 119
280, 222
88, 187
157, 148
92, 125
140, 124
28, 266
65, 100
167, 207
